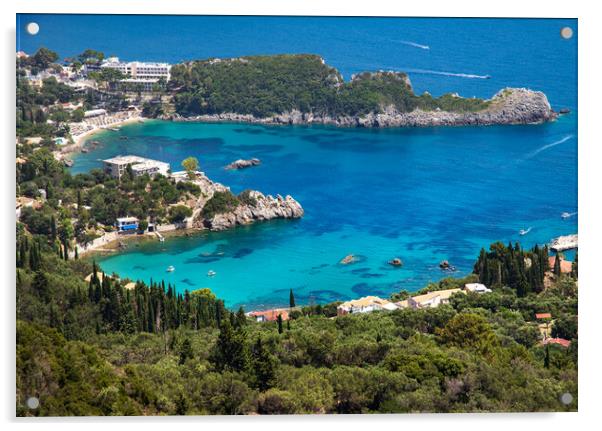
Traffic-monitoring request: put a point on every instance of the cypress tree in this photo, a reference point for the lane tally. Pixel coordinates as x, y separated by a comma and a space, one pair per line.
230, 351
546, 359
241, 319
186, 351
291, 299
557, 265
52, 227
41, 286
263, 366
279, 320
181, 405
574, 270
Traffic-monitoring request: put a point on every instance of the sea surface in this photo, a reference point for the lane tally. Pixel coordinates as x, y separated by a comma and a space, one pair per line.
423, 195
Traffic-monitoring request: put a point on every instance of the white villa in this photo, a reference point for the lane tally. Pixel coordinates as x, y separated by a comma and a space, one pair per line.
476, 288
116, 166
428, 300
366, 304
139, 69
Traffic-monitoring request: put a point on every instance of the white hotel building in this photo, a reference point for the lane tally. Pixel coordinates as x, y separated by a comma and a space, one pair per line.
116, 166
138, 72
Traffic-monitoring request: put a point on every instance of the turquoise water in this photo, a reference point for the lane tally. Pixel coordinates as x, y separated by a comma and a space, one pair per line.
420, 194
423, 195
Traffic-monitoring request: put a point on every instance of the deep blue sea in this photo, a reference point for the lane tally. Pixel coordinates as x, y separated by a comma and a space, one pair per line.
423, 195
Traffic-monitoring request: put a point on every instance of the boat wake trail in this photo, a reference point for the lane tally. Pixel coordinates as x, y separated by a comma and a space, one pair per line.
458, 75
545, 147
414, 44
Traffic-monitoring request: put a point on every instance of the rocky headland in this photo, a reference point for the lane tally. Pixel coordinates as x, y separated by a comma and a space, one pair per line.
246, 208
265, 208
508, 106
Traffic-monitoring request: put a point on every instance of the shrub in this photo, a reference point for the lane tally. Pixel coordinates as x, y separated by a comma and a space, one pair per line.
220, 202
178, 213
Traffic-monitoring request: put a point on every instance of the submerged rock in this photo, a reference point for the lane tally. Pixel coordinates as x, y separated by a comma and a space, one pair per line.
350, 258
395, 262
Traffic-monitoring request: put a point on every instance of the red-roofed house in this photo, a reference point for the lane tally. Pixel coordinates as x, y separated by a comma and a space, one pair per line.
543, 316
560, 341
566, 266
269, 315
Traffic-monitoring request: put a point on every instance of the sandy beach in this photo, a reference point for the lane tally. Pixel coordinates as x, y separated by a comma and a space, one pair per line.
80, 139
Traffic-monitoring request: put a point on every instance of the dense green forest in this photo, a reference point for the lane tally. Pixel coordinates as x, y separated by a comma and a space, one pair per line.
267, 85
96, 348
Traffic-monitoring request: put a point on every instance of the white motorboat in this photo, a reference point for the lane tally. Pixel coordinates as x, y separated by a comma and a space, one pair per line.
171, 268
524, 231
566, 215
211, 273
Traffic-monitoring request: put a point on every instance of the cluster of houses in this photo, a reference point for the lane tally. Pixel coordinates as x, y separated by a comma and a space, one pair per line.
145, 75
433, 299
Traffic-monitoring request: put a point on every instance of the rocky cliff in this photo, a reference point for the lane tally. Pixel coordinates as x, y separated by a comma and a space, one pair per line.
265, 208
508, 106
254, 207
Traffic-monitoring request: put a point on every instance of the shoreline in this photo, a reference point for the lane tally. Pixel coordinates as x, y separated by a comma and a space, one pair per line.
510, 106
80, 140
111, 246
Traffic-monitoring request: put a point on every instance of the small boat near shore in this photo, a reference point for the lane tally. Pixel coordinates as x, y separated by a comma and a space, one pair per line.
211, 273
566, 215
114, 129
523, 232
171, 268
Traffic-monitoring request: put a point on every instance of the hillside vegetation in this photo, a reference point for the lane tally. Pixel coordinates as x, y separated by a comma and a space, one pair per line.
96, 348
268, 85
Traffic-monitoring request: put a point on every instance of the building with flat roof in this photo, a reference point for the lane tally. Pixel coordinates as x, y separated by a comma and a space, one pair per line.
95, 113
116, 166
126, 224
139, 69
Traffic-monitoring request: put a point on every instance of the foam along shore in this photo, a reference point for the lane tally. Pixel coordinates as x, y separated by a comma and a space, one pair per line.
508, 106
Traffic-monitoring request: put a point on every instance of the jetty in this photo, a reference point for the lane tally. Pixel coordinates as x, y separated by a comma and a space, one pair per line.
562, 243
